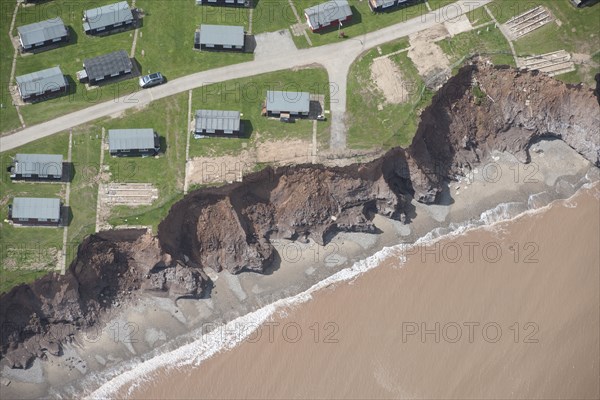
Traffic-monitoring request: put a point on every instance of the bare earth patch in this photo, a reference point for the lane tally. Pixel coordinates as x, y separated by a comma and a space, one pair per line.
388, 78
427, 56
230, 168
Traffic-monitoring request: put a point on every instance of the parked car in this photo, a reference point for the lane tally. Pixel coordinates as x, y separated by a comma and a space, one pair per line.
321, 117
154, 79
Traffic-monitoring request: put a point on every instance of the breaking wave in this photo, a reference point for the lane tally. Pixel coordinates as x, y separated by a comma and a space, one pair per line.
202, 346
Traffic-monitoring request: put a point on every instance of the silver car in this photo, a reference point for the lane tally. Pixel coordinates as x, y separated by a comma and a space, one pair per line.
154, 79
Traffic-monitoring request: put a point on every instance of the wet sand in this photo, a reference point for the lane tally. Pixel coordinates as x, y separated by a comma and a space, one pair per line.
519, 319
140, 340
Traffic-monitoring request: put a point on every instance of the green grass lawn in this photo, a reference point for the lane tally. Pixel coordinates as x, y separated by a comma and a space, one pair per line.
84, 186
435, 4
363, 21
487, 41
9, 120
578, 32
271, 16
70, 58
36, 245
247, 95
165, 37
478, 16
394, 124
168, 117
27, 253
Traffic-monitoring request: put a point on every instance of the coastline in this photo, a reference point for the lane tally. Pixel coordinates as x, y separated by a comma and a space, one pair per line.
434, 329
129, 343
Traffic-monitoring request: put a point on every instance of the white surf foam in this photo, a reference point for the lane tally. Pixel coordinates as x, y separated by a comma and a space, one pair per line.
203, 346
218, 340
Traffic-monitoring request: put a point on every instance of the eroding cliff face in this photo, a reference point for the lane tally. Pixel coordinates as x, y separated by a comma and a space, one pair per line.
109, 268
484, 108
231, 227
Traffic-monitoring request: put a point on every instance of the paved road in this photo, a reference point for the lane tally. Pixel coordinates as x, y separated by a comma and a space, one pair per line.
336, 58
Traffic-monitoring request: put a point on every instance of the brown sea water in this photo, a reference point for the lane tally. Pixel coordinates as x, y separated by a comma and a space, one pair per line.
508, 311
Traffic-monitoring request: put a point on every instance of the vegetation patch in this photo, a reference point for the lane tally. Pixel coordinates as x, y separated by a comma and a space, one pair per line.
373, 122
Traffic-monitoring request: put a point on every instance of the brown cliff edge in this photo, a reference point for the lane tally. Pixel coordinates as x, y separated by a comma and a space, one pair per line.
481, 109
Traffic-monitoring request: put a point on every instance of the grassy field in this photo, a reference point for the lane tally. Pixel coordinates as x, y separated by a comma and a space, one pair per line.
37, 245
28, 252
168, 117
70, 59
84, 186
374, 123
577, 32
478, 16
435, 4
165, 37
271, 16
489, 42
363, 21
247, 96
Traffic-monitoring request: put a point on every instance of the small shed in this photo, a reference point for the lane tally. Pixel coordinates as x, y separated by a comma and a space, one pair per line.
106, 66
35, 211
133, 142
41, 84
217, 122
325, 15
220, 37
293, 103
106, 18
385, 5
44, 33
37, 167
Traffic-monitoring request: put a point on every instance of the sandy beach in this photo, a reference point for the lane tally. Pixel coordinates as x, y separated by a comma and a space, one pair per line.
139, 342
521, 325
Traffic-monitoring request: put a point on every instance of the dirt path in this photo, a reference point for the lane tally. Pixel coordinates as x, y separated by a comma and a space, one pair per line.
14, 62
300, 22
314, 143
250, 17
187, 145
135, 36
63, 259
100, 211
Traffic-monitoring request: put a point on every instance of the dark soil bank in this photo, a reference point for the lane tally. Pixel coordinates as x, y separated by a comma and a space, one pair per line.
480, 110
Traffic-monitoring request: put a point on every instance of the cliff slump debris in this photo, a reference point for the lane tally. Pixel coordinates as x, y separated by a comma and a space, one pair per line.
485, 108
109, 267
230, 227
480, 110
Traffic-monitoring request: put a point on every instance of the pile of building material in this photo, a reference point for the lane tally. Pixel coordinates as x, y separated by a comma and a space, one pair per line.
527, 22
555, 63
131, 194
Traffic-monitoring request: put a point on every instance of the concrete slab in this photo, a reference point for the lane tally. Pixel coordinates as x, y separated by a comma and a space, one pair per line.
274, 44
458, 25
